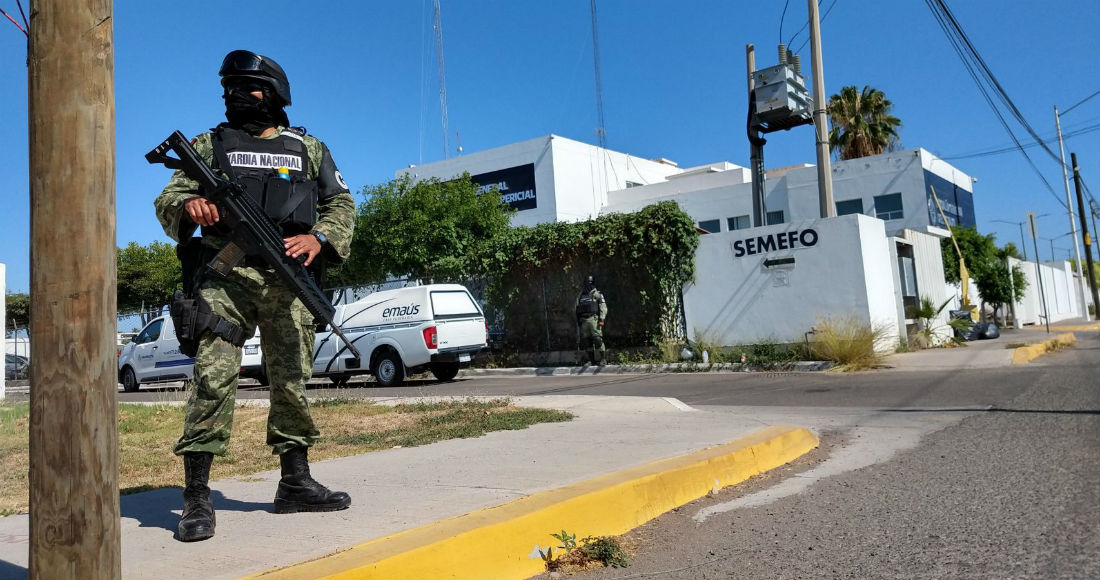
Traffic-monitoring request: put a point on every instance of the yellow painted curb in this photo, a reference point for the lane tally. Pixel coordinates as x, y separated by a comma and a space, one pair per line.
1094, 327
498, 542
1026, 354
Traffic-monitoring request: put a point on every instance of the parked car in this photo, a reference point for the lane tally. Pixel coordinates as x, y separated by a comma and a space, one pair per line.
252, 360
437, 328
16, 367
153, 356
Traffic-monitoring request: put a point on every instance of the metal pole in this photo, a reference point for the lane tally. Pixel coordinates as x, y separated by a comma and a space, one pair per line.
1012, 293
1072, 225
1085, 234
1095, 210
75, 529
1023, 244
824, 165
756, 146
1038, 268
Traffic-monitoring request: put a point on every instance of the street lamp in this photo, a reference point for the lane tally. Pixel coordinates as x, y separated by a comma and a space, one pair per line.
1023, 244
1051, 240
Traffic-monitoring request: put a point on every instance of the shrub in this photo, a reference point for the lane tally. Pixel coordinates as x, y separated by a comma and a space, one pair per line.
848, 341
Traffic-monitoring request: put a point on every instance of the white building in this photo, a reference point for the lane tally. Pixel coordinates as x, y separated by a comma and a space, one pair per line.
872, 266
557, 179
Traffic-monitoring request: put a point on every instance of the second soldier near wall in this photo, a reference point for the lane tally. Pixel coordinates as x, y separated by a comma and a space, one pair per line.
591, 310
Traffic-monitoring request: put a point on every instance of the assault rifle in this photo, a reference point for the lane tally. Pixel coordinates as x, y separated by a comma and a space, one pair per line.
251, 230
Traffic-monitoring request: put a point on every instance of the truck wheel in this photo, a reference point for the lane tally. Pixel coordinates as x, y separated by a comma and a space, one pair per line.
388, 369
445, 371
129, 380
262, 377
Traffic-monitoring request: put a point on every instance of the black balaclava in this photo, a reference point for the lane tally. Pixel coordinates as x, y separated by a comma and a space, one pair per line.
247, 113
589, 285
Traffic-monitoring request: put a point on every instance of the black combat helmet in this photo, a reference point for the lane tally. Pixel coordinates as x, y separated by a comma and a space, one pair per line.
245, 63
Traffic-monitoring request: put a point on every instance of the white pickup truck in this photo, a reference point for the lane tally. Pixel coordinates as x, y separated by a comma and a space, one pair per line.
438, 327
153, 356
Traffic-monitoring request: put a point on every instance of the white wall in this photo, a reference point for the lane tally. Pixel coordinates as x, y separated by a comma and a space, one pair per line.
737, 300
1059, 281
928, 262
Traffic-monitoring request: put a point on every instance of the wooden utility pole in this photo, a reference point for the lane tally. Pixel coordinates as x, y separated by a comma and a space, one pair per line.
75, 531
821, 120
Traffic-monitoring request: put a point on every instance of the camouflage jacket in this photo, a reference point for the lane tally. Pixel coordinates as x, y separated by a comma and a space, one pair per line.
335, 215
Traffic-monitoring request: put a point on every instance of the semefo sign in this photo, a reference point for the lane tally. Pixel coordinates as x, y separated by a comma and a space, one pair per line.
806, 238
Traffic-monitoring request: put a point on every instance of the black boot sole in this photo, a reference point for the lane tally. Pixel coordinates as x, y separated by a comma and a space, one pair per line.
283, 506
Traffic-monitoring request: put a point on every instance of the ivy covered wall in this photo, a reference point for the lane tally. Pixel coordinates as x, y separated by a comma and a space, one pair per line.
640, 262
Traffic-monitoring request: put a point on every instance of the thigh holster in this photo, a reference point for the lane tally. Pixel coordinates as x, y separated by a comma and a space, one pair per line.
191, 315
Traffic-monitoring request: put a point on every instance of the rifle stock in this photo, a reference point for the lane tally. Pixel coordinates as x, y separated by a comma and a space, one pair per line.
250, 226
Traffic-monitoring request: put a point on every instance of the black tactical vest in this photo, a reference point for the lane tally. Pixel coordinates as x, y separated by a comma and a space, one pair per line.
274, 172
587, 304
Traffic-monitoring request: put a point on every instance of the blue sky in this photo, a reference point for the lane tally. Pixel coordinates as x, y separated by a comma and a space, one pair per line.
363, 77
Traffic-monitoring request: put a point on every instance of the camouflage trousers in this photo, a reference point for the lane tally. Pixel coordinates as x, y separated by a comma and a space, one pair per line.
591, 336
252, 297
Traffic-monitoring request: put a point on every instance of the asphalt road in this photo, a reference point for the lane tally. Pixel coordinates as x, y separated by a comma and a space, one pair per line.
1010, 491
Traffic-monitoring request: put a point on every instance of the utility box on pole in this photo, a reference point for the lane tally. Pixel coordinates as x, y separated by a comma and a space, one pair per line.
781, 98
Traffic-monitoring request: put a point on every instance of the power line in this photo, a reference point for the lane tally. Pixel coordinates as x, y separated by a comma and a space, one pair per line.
823, 17
999, 151
782, 17
957, 39
991, 78
17, 25
1075, 105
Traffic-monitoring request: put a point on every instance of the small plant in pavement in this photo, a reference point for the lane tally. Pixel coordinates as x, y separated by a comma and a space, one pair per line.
606, 550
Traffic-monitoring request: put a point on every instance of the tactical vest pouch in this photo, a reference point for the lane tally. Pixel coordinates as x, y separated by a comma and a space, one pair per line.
587, 306
291, 204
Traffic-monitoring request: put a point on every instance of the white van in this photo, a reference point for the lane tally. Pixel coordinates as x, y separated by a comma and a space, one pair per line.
153, 356
438, 327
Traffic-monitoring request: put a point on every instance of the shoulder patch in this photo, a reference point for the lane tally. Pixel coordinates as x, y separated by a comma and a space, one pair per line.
340, 180
292, 135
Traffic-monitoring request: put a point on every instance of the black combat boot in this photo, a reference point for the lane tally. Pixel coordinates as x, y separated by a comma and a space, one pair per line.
298, 492
597, 358
197, 520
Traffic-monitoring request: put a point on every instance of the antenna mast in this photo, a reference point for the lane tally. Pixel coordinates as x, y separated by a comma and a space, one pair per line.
601, 134
442, 78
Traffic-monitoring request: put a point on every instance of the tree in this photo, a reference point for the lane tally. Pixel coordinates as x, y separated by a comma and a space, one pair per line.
987, 266
431, 230
147, 277
861, 123
17, 311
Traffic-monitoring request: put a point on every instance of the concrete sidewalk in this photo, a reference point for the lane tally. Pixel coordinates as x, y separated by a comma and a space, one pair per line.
416, 500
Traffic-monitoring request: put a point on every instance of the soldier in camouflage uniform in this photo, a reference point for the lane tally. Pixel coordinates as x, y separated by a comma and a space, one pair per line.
591, 309
261, 150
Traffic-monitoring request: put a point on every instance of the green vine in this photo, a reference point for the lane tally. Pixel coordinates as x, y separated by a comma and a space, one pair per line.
640, 260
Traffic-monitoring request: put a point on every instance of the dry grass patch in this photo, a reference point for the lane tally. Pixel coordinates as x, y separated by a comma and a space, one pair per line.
349, 427
849, 342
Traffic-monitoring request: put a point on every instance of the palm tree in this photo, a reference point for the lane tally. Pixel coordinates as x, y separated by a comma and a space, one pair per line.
861, 123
